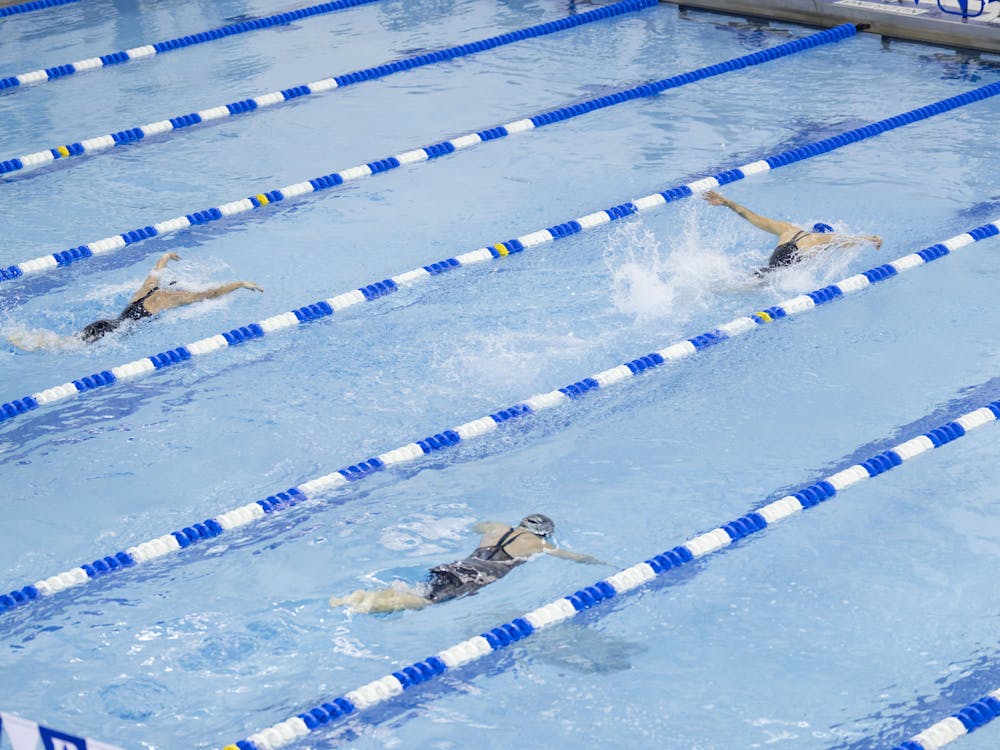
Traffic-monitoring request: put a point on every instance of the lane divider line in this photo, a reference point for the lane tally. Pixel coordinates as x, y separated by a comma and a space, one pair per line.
136, 134
236, 208
965, 721
378, 289
144, 51
495, 639
251, 512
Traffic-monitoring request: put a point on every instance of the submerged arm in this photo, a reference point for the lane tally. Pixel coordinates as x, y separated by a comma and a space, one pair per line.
873, 239
232, 286
165, 300
574, 556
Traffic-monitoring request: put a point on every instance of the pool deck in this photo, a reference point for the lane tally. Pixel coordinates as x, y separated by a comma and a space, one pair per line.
896, 19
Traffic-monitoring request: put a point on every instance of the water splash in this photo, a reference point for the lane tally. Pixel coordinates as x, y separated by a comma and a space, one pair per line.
709, 268
676, 278
35, 339
820, 267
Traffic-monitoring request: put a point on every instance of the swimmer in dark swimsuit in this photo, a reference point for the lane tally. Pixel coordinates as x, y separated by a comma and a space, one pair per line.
501, 549
151, 299
794, 243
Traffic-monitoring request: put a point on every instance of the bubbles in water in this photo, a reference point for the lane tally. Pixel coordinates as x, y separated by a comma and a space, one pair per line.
137, 699
419, 536
501, 355
104, 292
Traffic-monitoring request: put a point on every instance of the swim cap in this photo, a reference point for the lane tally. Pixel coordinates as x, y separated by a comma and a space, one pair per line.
538, 525
98, 329
822, 228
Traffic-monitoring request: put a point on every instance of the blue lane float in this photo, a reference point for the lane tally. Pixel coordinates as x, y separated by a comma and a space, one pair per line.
141, 52
964, 721
136, 134
498, 638
16, 10
236, 208
448, 438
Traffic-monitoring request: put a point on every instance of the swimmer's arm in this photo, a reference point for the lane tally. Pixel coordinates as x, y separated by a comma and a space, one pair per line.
872, 239
565, 554
773, 226
845, 241
232, 286
185, 298
153, 277
486, 527
164, 259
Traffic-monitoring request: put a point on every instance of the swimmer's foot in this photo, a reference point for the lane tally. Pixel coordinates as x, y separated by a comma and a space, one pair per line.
380, 602
30, 341
351, 600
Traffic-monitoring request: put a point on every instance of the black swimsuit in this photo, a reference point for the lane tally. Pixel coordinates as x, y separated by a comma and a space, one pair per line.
137, 310
784, 254
483, 566
133, 311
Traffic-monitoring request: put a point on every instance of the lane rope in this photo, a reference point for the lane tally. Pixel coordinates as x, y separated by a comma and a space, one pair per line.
134, 135
14, 10
251, 512
379, 691
144, 51
964, 721
386, 286
253, 203
378, 289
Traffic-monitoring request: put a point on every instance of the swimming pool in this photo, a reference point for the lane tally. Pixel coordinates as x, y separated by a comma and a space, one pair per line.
853, 626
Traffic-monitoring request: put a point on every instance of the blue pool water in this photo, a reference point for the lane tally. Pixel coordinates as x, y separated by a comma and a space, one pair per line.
853, 626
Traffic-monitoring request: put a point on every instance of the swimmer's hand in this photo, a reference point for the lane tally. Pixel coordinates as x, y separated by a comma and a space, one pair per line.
714, 198
876, 241
164, 259
250, 285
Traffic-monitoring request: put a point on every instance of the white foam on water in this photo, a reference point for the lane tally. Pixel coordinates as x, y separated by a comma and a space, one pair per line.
654, 277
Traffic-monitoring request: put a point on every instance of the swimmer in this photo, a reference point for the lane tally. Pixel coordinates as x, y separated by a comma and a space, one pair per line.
793, 241
149, 300
501, 549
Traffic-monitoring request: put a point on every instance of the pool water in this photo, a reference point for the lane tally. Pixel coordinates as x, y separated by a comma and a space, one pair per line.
853, 626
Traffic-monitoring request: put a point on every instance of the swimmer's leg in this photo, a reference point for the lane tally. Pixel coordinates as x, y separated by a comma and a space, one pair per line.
381, 601
39, 338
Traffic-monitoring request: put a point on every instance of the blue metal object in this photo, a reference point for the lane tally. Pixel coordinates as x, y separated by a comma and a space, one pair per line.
963, 8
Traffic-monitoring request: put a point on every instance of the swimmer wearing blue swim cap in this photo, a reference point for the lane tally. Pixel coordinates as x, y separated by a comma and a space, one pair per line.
794, 242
